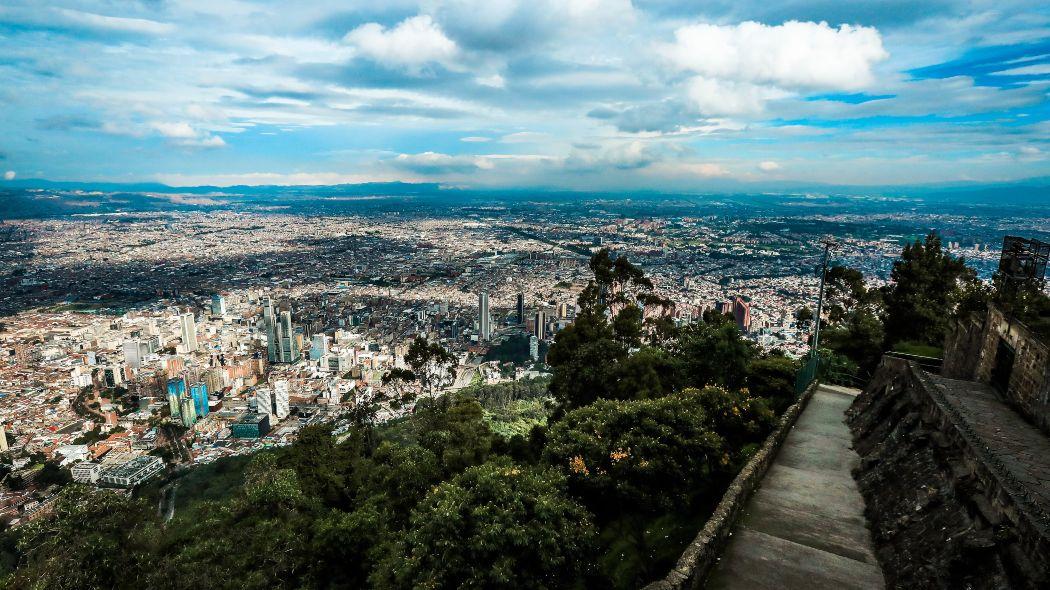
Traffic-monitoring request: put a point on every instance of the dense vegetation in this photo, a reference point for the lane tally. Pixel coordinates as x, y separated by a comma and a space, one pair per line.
596, 479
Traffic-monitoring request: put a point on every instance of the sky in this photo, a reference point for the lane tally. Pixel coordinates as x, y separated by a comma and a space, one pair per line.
573, 94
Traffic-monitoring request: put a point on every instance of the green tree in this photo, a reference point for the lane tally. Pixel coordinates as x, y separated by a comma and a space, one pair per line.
495, 525
259, 539
647, 455
926, 287
713, 352
585, 355
92, 539
454, 429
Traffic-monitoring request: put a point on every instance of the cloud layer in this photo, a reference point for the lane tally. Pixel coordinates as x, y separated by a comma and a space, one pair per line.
602, 94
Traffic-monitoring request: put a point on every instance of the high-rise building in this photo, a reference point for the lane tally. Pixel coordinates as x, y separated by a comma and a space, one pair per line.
263, 401
742, 314
213, 378
540, 329
484, 328
133, 349
280, 399
188, 331
282, 344
218, 304
187, 412
270, 325
288, 343
3, 439
199, 394
318, 347
534, 348
176, 392
563, 311
521, 308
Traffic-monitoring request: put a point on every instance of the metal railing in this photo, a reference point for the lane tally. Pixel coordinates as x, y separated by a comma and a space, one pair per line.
808, 373
929, 364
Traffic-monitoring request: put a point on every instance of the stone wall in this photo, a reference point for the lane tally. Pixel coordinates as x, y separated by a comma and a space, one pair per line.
943, 514
700, 556
970, 353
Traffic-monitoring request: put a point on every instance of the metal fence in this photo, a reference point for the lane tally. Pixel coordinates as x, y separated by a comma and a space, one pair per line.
808, 373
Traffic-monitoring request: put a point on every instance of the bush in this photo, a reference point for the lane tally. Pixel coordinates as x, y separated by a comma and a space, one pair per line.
773, 379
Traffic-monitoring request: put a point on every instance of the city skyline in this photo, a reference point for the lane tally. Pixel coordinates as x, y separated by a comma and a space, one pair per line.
577, 95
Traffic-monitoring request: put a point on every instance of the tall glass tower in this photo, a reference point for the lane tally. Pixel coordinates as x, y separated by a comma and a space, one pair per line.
484, 328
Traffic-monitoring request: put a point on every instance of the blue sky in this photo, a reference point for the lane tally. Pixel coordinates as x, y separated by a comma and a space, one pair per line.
579, 94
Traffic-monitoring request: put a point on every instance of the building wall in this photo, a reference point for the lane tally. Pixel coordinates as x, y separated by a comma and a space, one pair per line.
970, 353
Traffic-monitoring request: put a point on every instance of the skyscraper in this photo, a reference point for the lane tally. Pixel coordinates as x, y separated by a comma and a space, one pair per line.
288, 344
187, 411
176, 391
270, 325
218, 304
521, 308
199, 394
188, 331
540, 330
484, 328
282, 346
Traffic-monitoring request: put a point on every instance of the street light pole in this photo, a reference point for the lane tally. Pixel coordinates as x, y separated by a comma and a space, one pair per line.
814, 349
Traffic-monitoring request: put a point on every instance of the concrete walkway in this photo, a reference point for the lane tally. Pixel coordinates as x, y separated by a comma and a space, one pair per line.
805, 527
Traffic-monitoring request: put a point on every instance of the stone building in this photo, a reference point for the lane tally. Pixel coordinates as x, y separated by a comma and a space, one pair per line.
1004, 353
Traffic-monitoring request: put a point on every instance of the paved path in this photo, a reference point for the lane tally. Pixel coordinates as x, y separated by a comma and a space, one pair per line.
1020, 449
805, 527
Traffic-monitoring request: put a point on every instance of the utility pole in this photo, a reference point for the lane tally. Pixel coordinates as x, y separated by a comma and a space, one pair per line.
814, 349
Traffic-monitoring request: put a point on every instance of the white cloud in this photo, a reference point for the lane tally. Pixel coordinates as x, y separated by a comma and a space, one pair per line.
475, 139
524, 137
792, 55
113, 23
414, 42
768, 166
184, 134
493, 81
1032, 70
713, 97
9, 175
431, 163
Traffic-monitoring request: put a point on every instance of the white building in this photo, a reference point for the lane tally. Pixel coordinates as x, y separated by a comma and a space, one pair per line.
86, 472
484, 326
188, 332
133, 353
280, 399
132, 473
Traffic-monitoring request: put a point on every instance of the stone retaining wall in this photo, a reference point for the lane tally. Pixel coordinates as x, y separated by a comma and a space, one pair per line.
943, 513
702, 553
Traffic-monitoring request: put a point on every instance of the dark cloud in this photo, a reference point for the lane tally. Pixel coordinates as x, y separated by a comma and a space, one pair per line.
662, 117
409, 110
265, 93
66, 123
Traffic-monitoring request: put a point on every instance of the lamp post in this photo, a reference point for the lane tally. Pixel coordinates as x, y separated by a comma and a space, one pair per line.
814, 349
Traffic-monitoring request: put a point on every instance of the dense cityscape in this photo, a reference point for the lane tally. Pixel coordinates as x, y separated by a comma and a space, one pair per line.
179, 338
524, 295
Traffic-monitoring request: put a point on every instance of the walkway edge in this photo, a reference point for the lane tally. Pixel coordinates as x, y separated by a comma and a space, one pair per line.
702, 553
